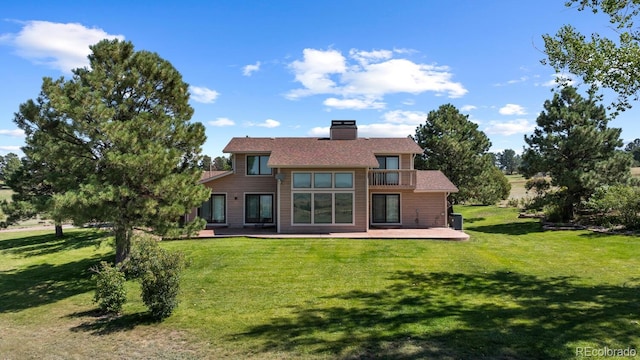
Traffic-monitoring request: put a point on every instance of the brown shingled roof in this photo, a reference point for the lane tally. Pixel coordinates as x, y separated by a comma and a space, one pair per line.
214, 174
433, 181
322, 152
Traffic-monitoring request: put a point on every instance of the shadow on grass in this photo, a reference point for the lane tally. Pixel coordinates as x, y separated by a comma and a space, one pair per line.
449, 315
48, 244
514, 228
100, 324
45, 283
473, 219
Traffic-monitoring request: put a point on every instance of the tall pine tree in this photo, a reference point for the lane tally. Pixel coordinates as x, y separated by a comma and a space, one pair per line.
573, 144
121, 130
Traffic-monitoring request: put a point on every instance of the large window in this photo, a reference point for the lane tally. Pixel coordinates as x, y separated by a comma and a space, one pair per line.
258, 208
323, 208
386, 208
214, 209
257, 165
323, 198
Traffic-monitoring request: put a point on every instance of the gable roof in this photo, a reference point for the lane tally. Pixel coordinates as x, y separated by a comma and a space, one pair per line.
433, 181
322, 152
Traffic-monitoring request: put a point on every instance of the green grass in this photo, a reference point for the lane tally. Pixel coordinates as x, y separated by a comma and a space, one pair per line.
511, 292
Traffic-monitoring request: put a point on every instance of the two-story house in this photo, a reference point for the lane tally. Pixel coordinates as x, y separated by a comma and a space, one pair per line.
338, 184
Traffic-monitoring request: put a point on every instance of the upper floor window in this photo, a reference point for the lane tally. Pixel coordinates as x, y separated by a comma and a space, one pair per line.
322, 180
257, 165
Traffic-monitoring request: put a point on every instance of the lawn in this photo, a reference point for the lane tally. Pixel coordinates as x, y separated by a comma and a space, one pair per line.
511, 292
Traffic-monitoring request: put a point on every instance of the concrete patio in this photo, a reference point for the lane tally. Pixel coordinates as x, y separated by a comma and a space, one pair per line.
270, 233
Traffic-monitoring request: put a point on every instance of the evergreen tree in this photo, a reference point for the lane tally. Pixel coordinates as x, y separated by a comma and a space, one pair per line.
120, 130
574, 146
455, 146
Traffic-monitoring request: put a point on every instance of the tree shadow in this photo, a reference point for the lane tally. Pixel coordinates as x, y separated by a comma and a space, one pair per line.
473, 219
498, 315
100, 324
514, 228
48, 244
45, 283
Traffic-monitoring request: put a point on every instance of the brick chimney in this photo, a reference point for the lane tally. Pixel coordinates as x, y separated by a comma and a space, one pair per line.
343, 130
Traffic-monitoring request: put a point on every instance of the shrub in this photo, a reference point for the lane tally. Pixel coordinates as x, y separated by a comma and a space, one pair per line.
617, 205
159, 274
110, 292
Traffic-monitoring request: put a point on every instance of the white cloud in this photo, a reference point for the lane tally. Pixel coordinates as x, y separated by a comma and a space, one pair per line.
507, 128
557, 79
367, 75
219, 122
248, 70
13, 133
269, 123
396, 123
355, 104
314, 72
10, 148
405, 117
365, 57
512, 109
467, 108
203, 95
62, 46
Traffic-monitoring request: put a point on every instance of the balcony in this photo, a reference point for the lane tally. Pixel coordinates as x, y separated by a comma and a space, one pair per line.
392, 179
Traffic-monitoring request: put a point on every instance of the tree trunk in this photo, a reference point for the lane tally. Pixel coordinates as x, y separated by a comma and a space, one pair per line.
59, 232
123, 242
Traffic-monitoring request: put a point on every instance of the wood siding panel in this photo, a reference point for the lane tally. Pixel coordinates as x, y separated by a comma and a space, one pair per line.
359, 210
238, 184
419, 210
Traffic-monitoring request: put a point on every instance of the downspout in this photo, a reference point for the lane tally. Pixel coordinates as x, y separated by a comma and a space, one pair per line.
446, 209
366, 186
278, 195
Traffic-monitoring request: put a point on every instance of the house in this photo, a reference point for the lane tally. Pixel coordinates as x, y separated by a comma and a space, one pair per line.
316, 185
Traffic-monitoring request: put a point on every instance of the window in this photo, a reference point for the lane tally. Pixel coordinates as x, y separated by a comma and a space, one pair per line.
322, 180
257, 165
302, 180
322, 197
386, 208
344, 180
323, 208
388, 163
214, 209
258, 208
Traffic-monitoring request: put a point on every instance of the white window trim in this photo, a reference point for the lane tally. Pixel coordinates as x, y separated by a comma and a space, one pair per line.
333, 187
226, 209
244, 207
333, 207
399, 210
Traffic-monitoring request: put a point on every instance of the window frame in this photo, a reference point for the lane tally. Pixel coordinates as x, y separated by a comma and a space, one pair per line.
211, 207
246, 208
386, 222
260, 165
312, 209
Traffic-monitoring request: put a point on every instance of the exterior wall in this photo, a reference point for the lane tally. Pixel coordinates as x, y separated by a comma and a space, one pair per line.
418, 210
359, 210
236, 185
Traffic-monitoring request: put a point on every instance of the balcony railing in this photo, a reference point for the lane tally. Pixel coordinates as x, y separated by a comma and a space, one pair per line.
392, 179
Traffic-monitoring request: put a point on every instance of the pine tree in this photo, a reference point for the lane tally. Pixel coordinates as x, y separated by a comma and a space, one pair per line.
121, 131
573, 144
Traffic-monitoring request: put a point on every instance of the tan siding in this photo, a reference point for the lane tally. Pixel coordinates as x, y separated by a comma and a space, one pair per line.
419, 210
359, 211
236, 185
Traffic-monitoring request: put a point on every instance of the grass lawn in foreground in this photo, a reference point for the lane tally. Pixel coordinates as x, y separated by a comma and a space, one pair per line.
511, 292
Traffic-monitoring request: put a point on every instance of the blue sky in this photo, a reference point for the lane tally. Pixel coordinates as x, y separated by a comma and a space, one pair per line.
287, 68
